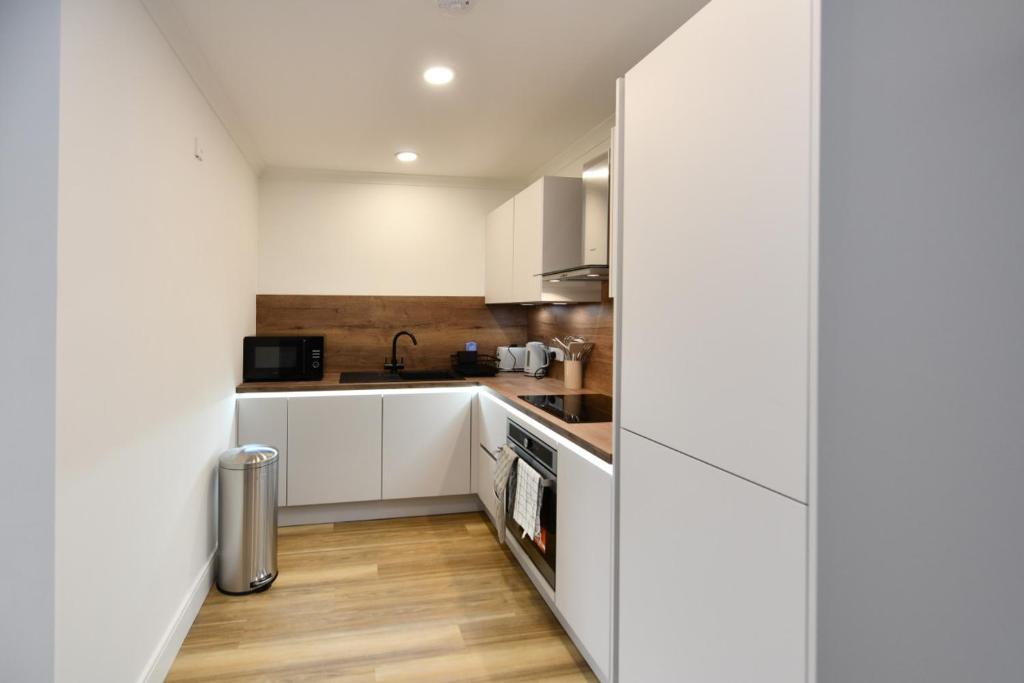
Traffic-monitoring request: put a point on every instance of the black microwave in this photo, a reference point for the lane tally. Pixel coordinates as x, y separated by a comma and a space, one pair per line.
280, 359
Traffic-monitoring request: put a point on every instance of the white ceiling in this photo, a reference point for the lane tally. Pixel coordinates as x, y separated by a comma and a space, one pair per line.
337, 84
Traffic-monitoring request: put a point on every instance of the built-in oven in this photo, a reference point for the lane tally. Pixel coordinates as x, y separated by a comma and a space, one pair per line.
544, 459
279, 359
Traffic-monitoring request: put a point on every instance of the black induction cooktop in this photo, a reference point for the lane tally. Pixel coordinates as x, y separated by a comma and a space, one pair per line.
574, 408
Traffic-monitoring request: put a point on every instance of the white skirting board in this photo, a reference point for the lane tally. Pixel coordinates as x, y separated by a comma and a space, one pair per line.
377, 509
161, 661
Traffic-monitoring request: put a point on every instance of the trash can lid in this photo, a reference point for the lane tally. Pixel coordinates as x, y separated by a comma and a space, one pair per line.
248, 456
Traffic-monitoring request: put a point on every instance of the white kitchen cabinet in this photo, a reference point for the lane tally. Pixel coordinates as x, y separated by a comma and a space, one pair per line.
712, 572
615, 187
484, 474
427, 449
596, 191
498, 254
583, 581
717, 241
493, 426
334, 449
548, 236
265, 421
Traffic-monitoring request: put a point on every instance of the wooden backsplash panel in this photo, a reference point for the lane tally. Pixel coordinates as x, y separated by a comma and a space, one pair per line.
595, 322
357, 330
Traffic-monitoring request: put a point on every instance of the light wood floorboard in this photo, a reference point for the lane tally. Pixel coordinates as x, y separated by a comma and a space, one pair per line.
419, 599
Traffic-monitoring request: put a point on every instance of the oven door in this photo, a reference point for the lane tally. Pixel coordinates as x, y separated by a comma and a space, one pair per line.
269, 359
542, 550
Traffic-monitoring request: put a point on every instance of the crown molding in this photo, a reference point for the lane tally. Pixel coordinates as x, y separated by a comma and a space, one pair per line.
172, 25
596, 137
370, 178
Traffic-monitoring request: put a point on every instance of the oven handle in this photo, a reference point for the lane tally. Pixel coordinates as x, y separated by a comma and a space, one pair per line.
545, 481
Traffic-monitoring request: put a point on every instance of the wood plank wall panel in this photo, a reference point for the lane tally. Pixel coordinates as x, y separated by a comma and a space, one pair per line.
357, 330
595, 322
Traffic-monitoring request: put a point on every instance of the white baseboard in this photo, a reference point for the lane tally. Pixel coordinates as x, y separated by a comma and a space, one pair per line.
160, 663
377, 509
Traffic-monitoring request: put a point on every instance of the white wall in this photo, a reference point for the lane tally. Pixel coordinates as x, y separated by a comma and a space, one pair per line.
157, 281
337, 234
29, 61
921, 436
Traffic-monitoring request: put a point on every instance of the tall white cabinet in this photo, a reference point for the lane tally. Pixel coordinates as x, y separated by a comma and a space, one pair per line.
716, 267
711, 570
728, 220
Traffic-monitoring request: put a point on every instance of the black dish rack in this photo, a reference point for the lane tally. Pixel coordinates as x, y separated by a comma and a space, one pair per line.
473, 364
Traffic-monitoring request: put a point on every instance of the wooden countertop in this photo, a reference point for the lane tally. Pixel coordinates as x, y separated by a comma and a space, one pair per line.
596, 437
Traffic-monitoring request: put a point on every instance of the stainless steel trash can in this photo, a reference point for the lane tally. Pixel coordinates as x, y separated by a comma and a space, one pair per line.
247, 555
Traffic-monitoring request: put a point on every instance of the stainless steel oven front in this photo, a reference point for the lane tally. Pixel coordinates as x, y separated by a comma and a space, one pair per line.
544, 459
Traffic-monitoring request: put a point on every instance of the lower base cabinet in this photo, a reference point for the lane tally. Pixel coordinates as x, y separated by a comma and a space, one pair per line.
334, 446
712, 578
427, 444
265, 421
583, 580
483, 470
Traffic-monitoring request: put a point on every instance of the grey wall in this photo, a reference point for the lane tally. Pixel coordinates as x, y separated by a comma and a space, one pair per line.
921, 564
29, 85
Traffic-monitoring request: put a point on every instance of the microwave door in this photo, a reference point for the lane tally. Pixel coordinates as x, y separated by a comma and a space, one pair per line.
277, 359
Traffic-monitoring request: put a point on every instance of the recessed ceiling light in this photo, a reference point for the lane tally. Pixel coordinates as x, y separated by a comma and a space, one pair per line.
407, 156
438, 75
554, 280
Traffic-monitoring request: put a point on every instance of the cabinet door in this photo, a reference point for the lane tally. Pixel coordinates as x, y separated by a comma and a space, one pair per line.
265, 420
493, 422
528, 243
712, 572
484, 471
716, 241
498, 254
334, 449
427, 444
583, 582
615, 189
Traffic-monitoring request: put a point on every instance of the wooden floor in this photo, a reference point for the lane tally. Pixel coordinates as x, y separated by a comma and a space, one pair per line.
420, 599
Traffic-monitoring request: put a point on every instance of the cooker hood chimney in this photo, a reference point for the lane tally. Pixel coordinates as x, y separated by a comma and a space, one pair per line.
593, 261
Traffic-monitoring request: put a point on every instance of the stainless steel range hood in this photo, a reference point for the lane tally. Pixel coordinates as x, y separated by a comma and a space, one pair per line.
593, 262
583, 273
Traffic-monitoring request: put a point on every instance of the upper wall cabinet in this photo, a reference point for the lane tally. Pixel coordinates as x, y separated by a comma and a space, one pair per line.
498, 257
541, 232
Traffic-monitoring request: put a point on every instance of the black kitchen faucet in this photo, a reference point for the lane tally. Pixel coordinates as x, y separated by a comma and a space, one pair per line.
394, 366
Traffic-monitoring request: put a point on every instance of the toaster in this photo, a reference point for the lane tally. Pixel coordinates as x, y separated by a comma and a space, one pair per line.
511, 358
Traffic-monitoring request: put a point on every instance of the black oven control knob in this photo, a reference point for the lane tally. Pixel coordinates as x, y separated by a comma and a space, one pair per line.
316, 364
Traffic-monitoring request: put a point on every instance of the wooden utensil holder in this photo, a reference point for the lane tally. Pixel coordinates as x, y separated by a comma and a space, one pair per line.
573, 374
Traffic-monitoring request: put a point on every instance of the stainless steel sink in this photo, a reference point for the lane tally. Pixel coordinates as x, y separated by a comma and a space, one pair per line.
401, 376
